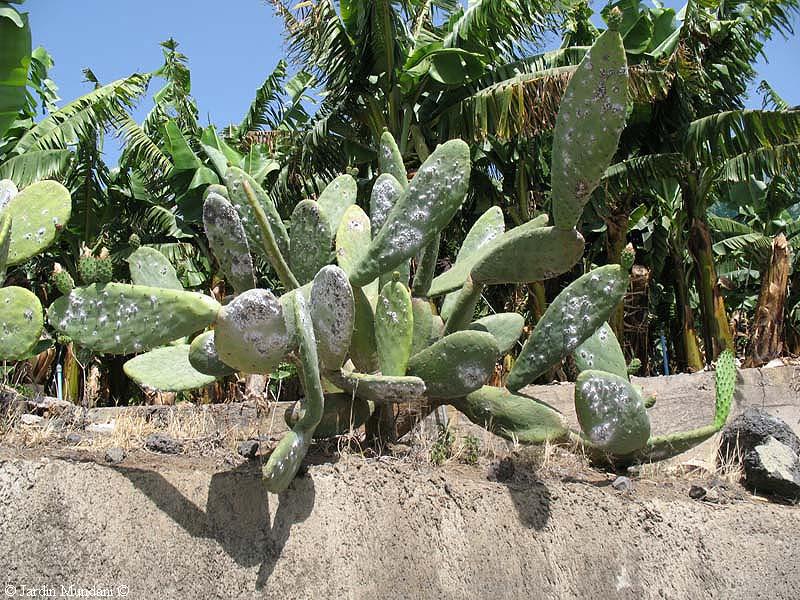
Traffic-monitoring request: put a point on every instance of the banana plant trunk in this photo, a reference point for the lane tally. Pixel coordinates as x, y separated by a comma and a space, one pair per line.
616, 239
689, 346
717, 334
765, 343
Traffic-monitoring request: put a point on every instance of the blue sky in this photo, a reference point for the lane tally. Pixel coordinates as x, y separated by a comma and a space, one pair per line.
232, 47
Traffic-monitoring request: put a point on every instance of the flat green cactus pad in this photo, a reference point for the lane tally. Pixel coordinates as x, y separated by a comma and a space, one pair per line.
312, 240
342, 413
504, 327
21, 322
333, 313
149, 267
117, 318
390, 160
386, 191
423, 330
601, 352
204, 357
528, 253
380, 389
394, 328
489, 226
512, 416
611, 412
725, 382
228, 240
363, 348
234, 181
336, 198
575, 314
422, 211
352, 238
590, 119
5, 244
38, 212
166, 369
251, 333
457, 364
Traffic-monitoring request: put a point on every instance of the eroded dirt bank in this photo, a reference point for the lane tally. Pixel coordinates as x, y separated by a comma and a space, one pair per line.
182, 528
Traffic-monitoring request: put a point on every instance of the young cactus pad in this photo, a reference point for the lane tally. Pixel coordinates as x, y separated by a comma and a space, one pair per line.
312, 240
390, 160
204, 357
352, 238
117, 318
386, 191
512, 416
601, 352
38, 213
363, 348
611, 412
336, 198
590, 119
504, 327
333, 314
166, 369
457, 364
394, 328
251, 332
21, 322
228, 240
149, 267
422, 211
575, 314
725, 383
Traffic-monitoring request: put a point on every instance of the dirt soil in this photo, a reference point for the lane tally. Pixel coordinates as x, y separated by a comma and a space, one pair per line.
204, 527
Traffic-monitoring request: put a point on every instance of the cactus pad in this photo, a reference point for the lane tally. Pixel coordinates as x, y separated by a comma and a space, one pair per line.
489, 226
394, 328
117, 318
504, 327
611, 412
312, 241
528, 253
333, 314
251, 334
725, 383
38, 213
21, 322
381, 389
575, 314
352, 238
149, 267
512, 416
363, 348
423, 334
601, 352
166, 369
386, 191
336, 198
457, 364
590, 119
204, 357
422, 211
5, 244
390, 160
228, 240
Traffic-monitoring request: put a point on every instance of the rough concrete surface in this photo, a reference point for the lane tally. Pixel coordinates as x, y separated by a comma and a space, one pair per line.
173, 527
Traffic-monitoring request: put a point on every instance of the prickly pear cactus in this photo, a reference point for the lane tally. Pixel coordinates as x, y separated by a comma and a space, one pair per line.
394, 328
166, 369
38, 213
380, 389
386, 191
62, 280
390, 160
352, 238
363, 347
5, 244
117, 318
228, 240
21, 322
312, 241
149, 267
336, 198
601, 352
204, 357
332, 308
725, 379
504, 327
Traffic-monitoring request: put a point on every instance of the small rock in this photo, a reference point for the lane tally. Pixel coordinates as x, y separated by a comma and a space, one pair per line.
73, 439
773, 468
752, 428
501, 470
160, 442
31, 419
115, 455
248, 449
697, 492
622, 484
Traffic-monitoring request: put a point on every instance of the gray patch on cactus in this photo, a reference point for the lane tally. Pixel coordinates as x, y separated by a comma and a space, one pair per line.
228, 240
8, 189
251, 333
333, 314
166, 369
611, 412
422, 211
601, 352
381, 389
385, 192
512, 416
312, 240
575, 314
489, 226
547, 252
117, 318
390, 160
456, 365
590, 119
504, 327
204, 357
39, 212
336, 198
21, 322
149, 267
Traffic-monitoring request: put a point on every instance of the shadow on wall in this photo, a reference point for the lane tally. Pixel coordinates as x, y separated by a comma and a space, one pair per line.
237, 513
